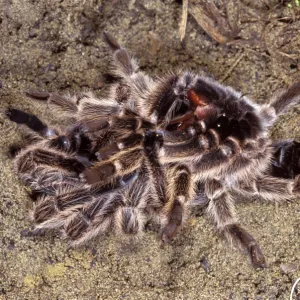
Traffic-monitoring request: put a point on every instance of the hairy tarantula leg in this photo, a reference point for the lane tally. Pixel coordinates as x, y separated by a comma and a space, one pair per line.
275, 189
66, 197
174, 216
95, 213
126, 67
56, 141
63, 103
181, 192
126, 124
30, 120
138, 201
221, 210
94, 219
152, 142
286, 159
38, 95
283, 101
74, 139
205, 148
190, 148
80, 197
45, 180
50, 205
131, 141
122, 164
35, 156
248, 242
86, 107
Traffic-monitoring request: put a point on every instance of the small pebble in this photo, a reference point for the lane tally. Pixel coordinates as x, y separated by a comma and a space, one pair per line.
289, 268
205, 264
32, 34
11, 244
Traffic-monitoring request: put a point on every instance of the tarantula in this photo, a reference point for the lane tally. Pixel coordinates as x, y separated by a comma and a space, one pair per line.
149, 150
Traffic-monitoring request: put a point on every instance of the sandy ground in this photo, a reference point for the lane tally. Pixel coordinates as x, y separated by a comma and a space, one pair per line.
56, 46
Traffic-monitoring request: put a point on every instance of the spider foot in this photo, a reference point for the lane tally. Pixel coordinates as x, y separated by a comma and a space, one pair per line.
257, 257
249, 244
174, 222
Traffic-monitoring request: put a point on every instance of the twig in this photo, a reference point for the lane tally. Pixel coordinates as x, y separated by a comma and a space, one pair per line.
232, 67
210, 19
182, 28
291, 56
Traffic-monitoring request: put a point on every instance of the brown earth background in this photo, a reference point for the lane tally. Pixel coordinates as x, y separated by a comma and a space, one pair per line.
56, 46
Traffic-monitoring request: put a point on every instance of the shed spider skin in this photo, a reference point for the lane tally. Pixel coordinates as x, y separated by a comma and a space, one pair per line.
148, 150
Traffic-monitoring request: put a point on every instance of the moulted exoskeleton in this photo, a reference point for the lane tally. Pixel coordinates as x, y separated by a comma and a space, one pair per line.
149, 150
